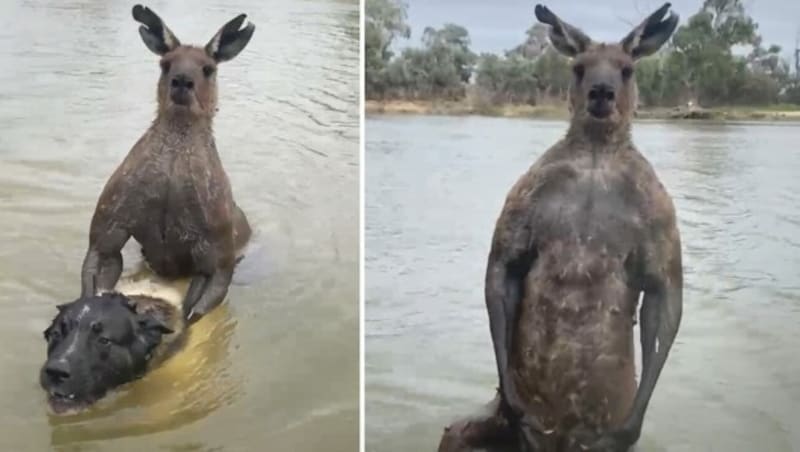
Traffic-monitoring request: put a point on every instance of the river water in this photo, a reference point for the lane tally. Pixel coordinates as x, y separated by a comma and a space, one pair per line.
278, 365
434, 188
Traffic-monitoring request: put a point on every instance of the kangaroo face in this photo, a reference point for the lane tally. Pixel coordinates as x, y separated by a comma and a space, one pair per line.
188, 81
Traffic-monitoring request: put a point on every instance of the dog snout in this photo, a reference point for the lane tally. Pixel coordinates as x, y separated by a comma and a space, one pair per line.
57, 371
182, 81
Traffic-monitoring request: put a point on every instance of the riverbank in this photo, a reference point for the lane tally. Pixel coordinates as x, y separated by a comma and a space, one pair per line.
462, 108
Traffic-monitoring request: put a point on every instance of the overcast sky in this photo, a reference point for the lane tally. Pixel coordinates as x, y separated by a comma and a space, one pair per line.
499, 25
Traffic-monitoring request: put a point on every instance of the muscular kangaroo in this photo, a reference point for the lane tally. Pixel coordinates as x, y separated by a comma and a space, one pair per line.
171, 193
582, 235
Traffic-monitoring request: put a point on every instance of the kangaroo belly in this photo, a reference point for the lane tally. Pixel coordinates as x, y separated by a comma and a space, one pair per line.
178, 206
573, 354
175, 234
170, 255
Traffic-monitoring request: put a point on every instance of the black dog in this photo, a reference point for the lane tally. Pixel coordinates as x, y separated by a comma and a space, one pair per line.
98, 343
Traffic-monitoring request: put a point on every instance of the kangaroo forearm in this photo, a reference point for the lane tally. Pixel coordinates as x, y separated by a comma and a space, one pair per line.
661, 314
212, 294
89, 272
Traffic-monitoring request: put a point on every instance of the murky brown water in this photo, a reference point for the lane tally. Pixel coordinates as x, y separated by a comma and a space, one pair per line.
275, 369
434, 189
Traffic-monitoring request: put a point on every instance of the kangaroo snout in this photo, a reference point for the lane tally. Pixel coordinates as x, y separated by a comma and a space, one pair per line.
181, 89
601, 91
601, 99
182, 81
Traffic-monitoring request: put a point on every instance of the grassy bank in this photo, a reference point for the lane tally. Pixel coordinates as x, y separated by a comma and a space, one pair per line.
459, 108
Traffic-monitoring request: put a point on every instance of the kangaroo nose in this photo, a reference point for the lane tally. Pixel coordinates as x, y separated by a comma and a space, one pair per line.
601, 92
182, 81
57, 371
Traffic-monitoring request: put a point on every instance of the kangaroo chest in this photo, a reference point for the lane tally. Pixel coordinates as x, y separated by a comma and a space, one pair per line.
176, 202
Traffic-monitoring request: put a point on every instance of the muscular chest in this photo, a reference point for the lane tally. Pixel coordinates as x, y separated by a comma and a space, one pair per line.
591, 201
172, 193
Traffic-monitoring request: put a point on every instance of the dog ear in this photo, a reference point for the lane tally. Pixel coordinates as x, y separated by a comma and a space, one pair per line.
151, 330
122, 299
149, 322
49, 329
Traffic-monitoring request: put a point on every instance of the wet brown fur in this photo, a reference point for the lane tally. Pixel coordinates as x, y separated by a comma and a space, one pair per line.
171, 192
582, 234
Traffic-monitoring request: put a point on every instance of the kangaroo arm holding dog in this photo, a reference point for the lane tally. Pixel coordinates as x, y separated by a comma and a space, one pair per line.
171, 192
581, 235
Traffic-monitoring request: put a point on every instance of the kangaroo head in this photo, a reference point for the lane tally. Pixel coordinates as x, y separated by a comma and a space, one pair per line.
188, 82
603, 88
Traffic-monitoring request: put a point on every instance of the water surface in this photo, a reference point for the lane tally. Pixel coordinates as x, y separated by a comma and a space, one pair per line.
434, 189
276, 367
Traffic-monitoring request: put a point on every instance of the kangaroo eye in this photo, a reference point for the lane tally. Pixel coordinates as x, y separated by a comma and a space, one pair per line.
208, 70
578, 70
165, 66
103, 340
627, 72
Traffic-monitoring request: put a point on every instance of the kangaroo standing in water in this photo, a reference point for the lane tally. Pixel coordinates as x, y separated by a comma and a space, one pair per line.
586, 231
171, 193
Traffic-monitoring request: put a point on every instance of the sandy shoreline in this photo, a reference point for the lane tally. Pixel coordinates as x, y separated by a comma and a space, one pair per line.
462, 108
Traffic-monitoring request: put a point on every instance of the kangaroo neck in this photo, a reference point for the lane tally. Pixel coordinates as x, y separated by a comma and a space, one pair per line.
180, 134
182, 124
600, 137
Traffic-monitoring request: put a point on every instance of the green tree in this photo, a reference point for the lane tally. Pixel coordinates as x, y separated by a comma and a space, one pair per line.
704, 63
528, 74
453, 41
535, 44
384, 21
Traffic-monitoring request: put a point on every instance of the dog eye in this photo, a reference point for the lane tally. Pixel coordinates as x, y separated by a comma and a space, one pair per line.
52, 334
208, 70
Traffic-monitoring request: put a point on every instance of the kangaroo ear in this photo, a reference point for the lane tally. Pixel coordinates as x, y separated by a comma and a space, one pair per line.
567, 39
230, 39
155, 33
651, 34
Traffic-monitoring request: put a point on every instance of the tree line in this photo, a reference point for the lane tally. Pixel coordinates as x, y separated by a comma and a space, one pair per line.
703, 63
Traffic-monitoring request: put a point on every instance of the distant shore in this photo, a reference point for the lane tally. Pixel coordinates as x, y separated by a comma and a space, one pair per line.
465, 108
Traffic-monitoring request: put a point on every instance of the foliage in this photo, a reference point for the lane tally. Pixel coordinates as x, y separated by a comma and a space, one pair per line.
716, 58
439, 69
385, 20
